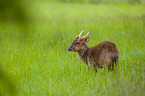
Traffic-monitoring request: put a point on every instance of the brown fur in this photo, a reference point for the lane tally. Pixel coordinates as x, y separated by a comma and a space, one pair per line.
104, 54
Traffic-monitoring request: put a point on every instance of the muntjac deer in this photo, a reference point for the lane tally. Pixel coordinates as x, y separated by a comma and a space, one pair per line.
103, 55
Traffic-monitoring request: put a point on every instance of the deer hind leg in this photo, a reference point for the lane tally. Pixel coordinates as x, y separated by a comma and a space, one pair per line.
113, 61
108, 62
109, 65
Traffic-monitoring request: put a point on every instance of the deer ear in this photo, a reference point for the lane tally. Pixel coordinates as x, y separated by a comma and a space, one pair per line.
86, 39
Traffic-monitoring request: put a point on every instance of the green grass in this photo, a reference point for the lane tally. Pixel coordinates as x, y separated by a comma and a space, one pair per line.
40, 64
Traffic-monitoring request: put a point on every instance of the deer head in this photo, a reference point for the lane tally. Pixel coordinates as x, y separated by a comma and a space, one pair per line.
79, 43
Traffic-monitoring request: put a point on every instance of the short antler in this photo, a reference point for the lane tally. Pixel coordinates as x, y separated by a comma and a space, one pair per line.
86, 34
81, 33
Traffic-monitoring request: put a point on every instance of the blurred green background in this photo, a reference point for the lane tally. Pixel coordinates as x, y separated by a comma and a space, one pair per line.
35, 36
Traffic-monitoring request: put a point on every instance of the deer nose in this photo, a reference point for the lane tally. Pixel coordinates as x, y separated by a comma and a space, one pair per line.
69, 49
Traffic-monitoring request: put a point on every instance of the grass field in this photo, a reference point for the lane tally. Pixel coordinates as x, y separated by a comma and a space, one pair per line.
39, 63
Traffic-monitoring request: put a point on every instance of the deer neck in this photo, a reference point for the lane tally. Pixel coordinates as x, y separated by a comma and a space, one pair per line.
82, 54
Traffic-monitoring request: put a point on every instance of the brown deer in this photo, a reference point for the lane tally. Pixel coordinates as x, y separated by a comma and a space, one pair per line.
103, 55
